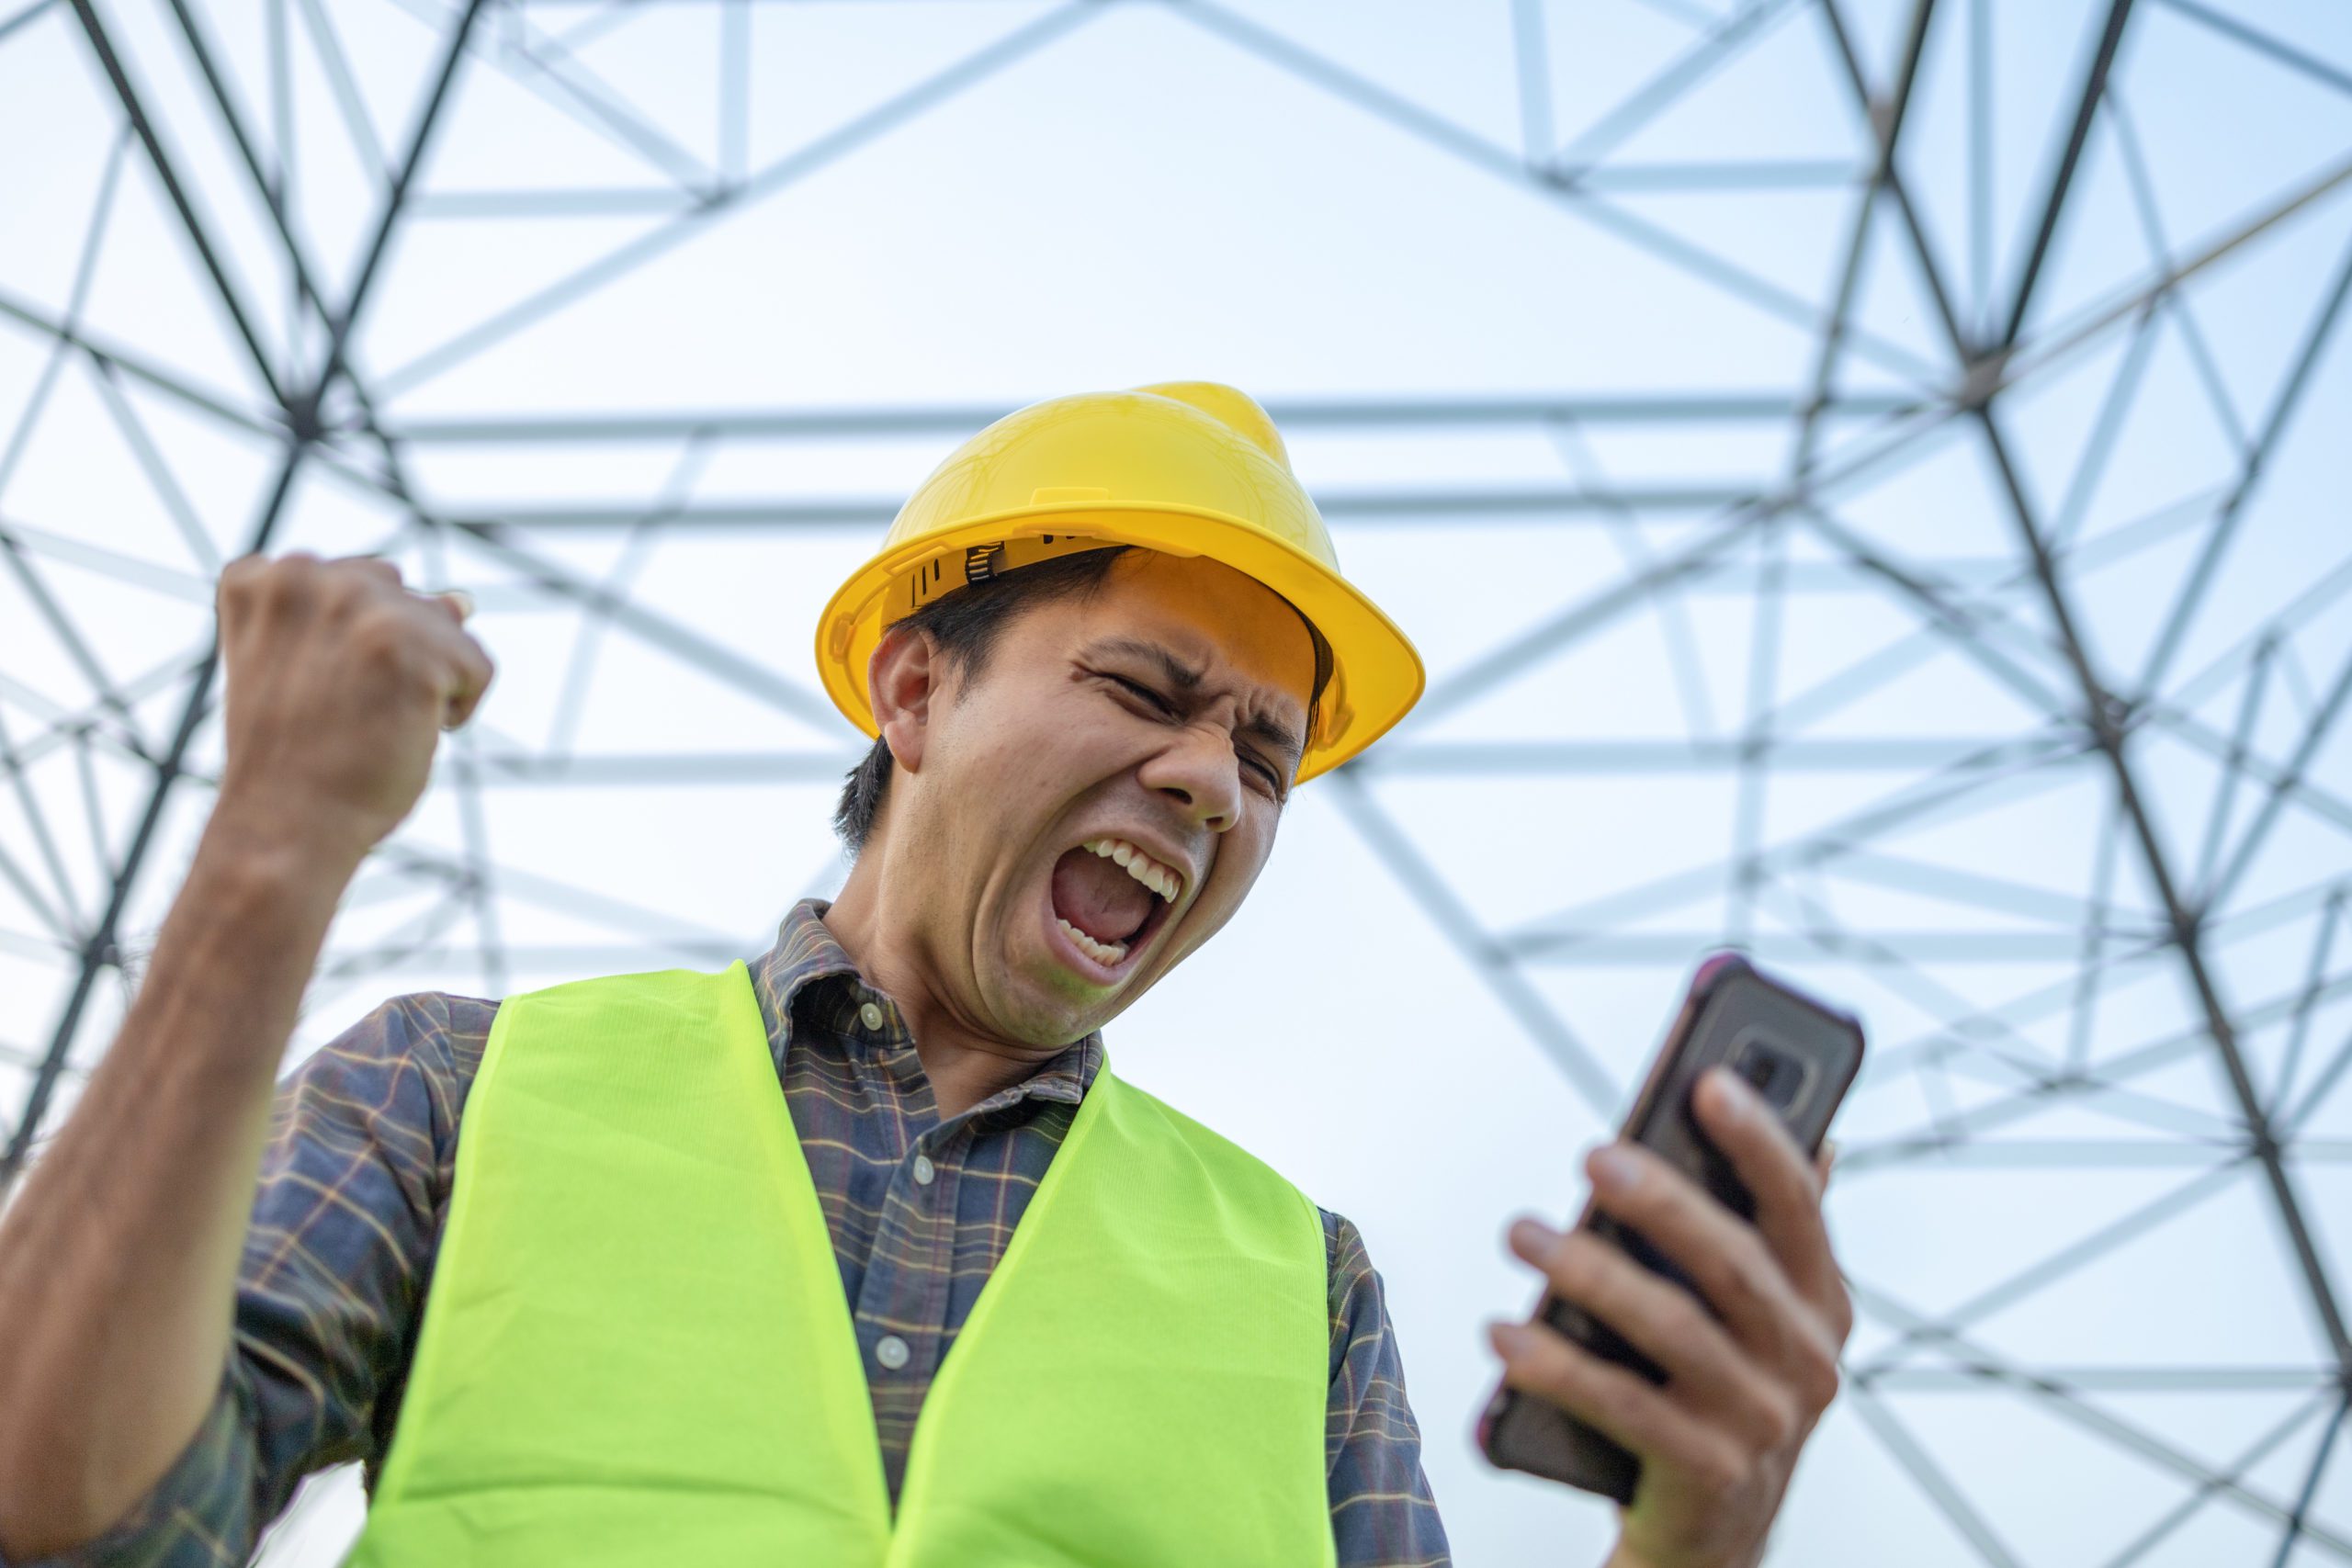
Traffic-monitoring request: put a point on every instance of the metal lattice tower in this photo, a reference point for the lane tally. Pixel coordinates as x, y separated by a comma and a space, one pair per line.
2005, 629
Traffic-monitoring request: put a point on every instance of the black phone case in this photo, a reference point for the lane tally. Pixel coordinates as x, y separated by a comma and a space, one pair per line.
1728, 1000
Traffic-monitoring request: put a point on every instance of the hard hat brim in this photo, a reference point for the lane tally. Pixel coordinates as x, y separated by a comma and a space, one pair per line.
1376, 673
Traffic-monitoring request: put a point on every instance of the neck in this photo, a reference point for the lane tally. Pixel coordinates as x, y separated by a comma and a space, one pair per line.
964, 1063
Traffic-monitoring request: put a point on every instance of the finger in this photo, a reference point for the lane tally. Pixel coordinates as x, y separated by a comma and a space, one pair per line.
459, 666
372, 566
1784, 1183
1667, 1324
236, 584
472, 674
1539, 1361
259, 586
250, 564
1723, 1256
456, 602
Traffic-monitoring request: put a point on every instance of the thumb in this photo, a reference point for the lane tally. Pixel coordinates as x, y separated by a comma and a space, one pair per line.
457, 601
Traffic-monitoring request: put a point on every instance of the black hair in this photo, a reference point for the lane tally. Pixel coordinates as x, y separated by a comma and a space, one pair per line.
965, 625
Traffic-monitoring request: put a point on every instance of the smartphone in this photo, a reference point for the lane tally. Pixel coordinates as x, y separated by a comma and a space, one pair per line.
1801, 1055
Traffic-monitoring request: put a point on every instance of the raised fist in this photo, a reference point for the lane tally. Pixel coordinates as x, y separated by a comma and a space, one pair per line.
340, 682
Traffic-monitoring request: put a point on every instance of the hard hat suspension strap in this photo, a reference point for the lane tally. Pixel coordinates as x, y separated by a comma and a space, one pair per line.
942, 574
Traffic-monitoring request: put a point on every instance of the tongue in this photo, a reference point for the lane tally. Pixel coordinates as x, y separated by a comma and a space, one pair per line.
1095, 894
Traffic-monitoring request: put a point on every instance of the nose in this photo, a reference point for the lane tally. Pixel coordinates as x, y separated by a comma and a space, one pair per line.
1199, 770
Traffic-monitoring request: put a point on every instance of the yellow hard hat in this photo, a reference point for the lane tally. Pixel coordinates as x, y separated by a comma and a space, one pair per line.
1186, 468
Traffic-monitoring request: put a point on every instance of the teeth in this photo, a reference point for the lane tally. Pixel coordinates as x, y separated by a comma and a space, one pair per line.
1162, 880
1106, 953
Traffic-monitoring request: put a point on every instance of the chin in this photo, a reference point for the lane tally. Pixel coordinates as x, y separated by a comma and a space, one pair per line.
1038, 1003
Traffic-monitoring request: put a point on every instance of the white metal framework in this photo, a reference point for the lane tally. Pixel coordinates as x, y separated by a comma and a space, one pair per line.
2039, 565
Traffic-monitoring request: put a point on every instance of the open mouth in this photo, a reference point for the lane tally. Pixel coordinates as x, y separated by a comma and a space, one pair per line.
1105, 902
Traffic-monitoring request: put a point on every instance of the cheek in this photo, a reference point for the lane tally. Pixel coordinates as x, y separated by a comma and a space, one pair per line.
1010, 760
1065, 751
1236, 873
1012, 779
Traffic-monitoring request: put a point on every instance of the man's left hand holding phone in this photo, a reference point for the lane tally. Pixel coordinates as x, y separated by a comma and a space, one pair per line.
1746, 1382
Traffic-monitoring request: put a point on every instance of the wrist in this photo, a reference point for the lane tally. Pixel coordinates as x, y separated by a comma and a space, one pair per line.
274, 846
1624, 1556
250, 857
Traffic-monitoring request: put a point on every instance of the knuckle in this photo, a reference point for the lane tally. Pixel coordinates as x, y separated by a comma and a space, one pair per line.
1748, 1275
287, 575
1682, 1320
1538, 1366
1650, 1201
355, 581
1576, 1266
1563, 1375
1777, 1424
1841, 1314
1771, 1163
378, 635
1651, 1211
1720, 1469
1559, 1376
1826, 1387
1819, 1376
1616, 1401
1782, 1181
1655, 1182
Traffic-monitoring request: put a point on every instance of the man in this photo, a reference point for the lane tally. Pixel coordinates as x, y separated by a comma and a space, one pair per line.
1102, 646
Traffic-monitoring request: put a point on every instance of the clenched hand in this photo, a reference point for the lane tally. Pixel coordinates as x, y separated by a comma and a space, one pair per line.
118, 1256
340, 682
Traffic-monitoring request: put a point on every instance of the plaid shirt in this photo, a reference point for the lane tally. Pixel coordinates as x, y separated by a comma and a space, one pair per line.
355, 1180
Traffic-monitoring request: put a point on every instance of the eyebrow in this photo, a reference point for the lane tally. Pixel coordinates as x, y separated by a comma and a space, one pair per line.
1184, 678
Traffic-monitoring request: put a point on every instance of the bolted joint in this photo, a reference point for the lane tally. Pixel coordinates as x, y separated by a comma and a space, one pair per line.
302, 417
2111, 717
1983, 376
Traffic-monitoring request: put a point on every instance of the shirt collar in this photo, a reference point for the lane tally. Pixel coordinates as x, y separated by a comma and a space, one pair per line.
807, 953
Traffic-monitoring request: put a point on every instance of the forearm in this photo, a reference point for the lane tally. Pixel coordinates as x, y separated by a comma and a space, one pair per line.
119, 1259
1624, 1556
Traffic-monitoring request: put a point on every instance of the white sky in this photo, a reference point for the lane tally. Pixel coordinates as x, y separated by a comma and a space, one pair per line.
1326, 203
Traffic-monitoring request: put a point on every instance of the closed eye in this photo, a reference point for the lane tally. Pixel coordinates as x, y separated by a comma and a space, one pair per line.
1139, 689
1273, 779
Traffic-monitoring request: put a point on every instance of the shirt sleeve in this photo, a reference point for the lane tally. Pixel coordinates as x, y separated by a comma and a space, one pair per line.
1382, 1513
354, 1181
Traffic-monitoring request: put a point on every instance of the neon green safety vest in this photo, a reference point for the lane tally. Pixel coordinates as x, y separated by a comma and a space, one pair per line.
636, 1349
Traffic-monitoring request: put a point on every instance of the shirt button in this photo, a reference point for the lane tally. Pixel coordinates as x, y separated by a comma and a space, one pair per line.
870, 1016
891, 1352
924, 1170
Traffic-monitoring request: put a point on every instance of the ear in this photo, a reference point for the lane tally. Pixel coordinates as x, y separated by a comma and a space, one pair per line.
901, 679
